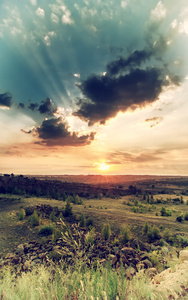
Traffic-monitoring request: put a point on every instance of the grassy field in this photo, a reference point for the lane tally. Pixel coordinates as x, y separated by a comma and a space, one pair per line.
102, 283
128, 210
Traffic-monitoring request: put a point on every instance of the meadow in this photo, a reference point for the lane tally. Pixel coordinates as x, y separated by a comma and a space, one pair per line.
159, 220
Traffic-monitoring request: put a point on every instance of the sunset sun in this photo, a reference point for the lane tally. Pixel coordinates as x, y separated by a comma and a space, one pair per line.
103, 166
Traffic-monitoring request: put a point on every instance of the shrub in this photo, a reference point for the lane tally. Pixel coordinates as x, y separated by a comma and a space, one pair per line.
34, 219
145, 228
56, 235
61, 216
29, 211
167, 235
89, 222
125, 234
46, 230
153, 234
90, 237
82, 221
186, 217
21, 215
106, 231
52, 216
179, 219
115, 242
54, 255
165, 212
68, 209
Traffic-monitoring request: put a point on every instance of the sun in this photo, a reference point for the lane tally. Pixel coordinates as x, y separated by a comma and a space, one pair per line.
103, 166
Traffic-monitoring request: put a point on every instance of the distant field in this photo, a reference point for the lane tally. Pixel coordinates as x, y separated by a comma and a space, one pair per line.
117, 211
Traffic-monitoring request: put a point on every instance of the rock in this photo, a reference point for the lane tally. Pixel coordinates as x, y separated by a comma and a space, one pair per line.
114, 261
144, 255
9, 256
130, 272
124, 260
140, 266
16, 259
151, 272
147, 263
20, 249
133, 261
183, 255
42, 255
128, 251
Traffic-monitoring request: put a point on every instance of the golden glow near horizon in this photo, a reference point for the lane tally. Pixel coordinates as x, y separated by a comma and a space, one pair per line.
103, 166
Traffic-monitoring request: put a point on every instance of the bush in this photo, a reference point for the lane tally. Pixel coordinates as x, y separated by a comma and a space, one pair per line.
34, 219
52, 216
167, 236
21, 215
186, 217
82, 221
46, 230
90, 237
153, 234
125, 234
68, 209
165, 212
145, 228
29, 211
179, 219
106, 231
89, 222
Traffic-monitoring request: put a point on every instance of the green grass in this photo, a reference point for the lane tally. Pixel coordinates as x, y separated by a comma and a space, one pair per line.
117, 214
80, 283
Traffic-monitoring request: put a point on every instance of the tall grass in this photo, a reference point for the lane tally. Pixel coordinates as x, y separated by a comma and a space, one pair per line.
79, 284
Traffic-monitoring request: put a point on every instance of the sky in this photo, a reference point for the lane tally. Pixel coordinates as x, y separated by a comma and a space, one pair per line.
94, 87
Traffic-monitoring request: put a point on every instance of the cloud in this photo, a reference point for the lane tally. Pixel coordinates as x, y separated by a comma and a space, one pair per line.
105, 96
5, 100
122, 157
47, 107
21, 105
136, 58
159, 12
33, 106
66, 18
54, 132
33, 2
40, 12
154, 121
54, 18
124, 4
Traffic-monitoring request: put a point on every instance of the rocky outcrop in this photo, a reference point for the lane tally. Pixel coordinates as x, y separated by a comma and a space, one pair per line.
183, 255
73, 247
173, 282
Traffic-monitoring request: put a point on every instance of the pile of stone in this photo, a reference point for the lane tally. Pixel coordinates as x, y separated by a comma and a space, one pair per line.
133, 256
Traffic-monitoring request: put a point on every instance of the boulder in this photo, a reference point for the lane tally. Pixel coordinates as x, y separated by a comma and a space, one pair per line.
151, 272
128, 251
147, 263
183, 255
130, 272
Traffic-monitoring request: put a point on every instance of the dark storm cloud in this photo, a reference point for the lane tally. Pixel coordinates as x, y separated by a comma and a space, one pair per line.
33, 106
135, 59
105, 96
5, 100
55, 132
21, 105
47, 107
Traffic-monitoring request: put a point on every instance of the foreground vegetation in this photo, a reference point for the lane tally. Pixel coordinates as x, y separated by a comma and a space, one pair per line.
65, 283
159, 220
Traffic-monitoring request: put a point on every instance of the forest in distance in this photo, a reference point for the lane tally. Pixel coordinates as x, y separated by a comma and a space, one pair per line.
89, 186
